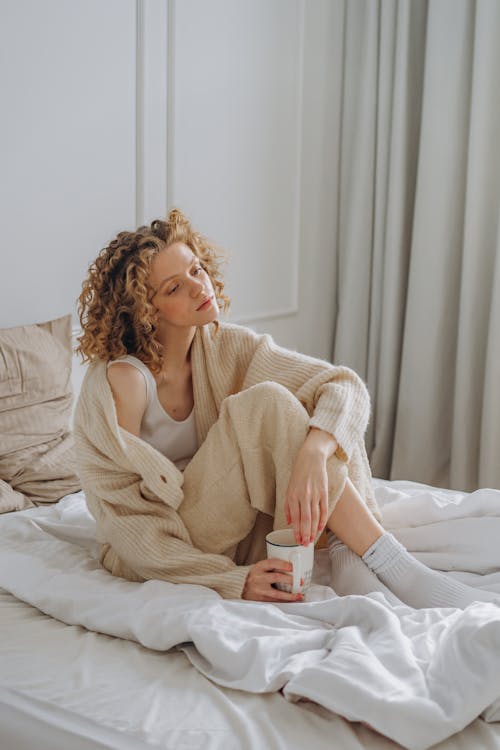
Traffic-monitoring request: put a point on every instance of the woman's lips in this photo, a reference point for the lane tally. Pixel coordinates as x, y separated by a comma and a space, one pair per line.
205, 304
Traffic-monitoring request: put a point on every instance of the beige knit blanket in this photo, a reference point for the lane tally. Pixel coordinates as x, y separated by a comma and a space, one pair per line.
134, 492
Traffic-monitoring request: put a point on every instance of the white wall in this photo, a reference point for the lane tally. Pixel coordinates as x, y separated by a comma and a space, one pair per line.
115, 111
67, 135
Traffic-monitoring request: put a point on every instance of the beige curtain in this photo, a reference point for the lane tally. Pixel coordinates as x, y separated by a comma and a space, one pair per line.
418, 242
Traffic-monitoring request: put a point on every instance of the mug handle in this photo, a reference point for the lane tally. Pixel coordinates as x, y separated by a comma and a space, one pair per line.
297, 574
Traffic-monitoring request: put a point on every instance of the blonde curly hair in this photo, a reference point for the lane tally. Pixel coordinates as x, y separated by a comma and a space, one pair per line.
115, 306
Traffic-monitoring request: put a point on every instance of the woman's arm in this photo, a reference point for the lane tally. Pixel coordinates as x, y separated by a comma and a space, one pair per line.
306, 498
335, 397
129, 390
319, 441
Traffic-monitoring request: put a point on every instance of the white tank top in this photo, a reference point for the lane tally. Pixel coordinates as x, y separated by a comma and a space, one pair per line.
176, 440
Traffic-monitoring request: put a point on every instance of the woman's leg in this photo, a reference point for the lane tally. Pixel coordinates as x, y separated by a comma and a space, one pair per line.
243, 467
352, 529
410, 580
352, 521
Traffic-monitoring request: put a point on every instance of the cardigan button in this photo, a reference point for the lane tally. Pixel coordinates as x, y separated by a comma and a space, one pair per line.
163, 479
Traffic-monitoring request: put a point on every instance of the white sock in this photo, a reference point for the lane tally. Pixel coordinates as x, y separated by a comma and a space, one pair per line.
350, 575
415, 583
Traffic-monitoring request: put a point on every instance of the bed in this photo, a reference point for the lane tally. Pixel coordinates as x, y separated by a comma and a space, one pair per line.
91, 661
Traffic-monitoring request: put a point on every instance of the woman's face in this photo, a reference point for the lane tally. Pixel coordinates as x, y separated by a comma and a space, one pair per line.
182, 286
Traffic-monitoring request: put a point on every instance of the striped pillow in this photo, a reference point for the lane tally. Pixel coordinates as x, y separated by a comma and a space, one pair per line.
36, 448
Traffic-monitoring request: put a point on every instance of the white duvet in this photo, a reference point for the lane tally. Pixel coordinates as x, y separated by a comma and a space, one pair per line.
416, 676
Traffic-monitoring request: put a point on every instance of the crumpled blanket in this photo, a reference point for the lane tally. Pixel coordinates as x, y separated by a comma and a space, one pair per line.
415, 676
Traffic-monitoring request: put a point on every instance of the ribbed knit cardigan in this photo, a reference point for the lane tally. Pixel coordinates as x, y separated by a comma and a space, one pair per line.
133, 491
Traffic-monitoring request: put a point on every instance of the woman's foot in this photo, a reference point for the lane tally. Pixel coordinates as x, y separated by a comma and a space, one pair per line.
415, 583
350, 575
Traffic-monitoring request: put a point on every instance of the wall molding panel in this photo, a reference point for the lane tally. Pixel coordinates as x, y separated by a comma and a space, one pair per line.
235, 124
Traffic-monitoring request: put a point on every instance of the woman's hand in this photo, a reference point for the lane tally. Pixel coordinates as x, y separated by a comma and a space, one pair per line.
258, 584
306, 498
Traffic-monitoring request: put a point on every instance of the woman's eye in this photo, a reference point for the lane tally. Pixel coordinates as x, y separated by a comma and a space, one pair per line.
198, 269
174, 289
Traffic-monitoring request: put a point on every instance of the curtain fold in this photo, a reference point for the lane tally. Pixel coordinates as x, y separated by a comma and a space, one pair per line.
478, 328
418, 295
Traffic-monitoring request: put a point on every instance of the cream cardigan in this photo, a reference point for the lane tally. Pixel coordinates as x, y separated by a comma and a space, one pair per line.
134, 492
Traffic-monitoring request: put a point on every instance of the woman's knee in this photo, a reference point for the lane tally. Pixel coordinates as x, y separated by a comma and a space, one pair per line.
270, 404
268, 394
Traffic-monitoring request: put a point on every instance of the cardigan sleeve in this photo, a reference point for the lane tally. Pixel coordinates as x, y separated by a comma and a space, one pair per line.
149, 538
335, 397
155, 547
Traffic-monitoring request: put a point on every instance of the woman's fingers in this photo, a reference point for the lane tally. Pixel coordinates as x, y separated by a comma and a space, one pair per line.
303, 514
287, 511
305, 522
314, 522
282, 596
262, 576
323, 512
311, 517
279, 578
294, 508
276, 563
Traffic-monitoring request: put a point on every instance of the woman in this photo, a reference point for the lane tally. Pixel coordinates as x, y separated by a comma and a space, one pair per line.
194, 437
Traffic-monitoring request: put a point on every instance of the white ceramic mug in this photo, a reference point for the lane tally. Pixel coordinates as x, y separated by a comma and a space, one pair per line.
281, 544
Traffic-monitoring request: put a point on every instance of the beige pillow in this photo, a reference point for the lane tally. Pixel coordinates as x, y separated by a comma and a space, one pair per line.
37, 461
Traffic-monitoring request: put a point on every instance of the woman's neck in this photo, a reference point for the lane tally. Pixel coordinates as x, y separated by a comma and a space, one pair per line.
177, 353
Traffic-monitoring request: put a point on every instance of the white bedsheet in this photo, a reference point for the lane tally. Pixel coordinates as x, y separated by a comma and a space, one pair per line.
415, 676
71, 689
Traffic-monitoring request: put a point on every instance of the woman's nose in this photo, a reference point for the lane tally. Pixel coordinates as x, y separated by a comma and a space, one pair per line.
196, 286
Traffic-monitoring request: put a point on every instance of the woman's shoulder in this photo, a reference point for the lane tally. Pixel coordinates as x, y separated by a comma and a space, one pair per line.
130, 360
128, 375
122, 384
129, 387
